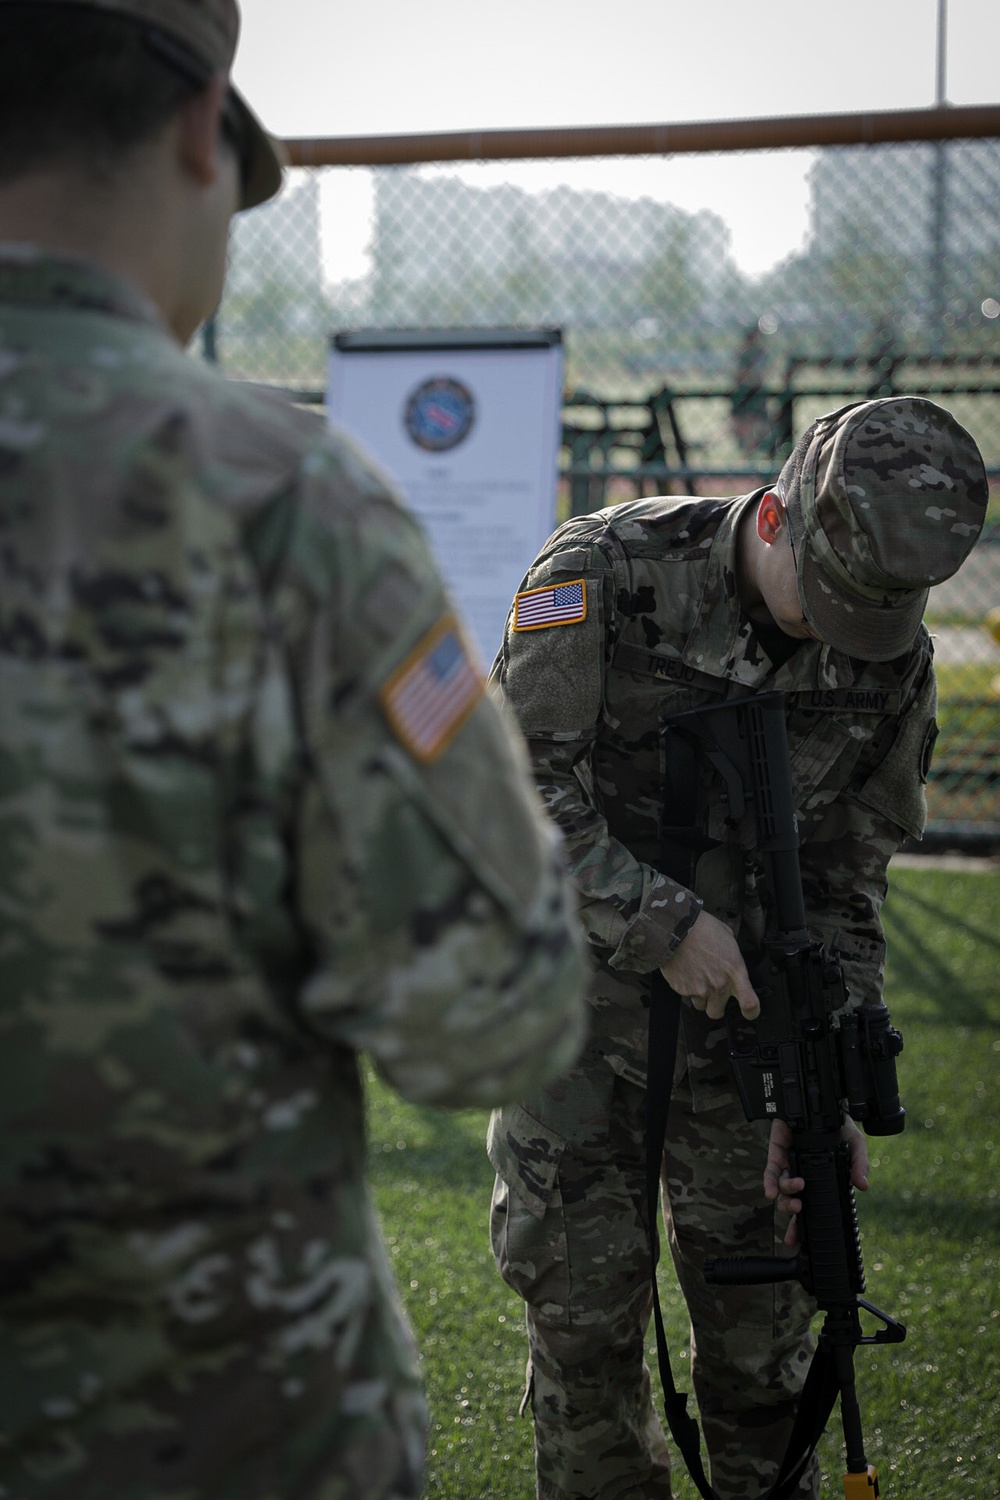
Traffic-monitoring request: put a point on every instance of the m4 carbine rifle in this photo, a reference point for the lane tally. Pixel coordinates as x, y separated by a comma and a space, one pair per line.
807, 1060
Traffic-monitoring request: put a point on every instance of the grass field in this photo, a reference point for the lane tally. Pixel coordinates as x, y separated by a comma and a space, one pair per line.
930, 1224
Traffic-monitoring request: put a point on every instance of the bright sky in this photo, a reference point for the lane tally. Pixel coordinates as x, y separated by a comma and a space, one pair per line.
319, 68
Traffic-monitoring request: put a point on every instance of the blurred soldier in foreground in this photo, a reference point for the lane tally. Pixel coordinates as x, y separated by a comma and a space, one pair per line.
815, 586
255, 815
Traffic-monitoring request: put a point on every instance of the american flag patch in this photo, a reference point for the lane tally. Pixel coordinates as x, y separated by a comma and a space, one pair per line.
563, 604
431, 695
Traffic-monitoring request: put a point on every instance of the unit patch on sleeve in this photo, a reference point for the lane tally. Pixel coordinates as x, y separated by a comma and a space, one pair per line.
559, 604
429, 697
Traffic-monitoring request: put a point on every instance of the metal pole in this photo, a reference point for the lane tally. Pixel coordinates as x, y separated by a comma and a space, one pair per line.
210, 340
939, 203
880, 127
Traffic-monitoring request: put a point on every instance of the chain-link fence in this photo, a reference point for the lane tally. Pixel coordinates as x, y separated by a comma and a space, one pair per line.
711, 307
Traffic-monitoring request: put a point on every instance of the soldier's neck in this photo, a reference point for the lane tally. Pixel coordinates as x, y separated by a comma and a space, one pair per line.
131, 223
75, 214
747, 581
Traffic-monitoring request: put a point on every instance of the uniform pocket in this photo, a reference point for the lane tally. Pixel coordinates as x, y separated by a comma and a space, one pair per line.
527, 1226
567, 1225
525, 1154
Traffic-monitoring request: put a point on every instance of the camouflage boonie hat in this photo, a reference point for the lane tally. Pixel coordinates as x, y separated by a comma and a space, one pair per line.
890, 499
207, 31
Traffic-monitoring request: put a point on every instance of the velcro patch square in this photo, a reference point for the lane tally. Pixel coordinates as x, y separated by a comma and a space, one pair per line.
430, 696
559, 604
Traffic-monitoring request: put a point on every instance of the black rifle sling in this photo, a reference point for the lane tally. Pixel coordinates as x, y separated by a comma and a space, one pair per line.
664, 1024
821, 1388
816, 1402
678, 845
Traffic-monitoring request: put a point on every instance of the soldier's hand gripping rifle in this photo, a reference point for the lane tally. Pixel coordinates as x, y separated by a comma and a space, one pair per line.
807, 1061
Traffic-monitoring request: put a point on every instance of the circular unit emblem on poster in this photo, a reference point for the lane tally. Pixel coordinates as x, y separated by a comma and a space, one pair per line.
439, 414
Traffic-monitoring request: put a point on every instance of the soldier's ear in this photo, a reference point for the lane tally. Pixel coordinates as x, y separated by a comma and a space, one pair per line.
199, 128
770, 517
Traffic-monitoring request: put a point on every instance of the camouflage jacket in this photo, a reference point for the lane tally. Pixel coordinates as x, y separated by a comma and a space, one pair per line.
256, 813
648, 623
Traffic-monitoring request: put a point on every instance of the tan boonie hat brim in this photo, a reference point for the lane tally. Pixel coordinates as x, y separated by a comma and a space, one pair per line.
266, 158
208, 30
890, 499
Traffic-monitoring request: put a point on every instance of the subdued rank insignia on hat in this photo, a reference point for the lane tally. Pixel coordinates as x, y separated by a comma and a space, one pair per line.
429, 697
560, 604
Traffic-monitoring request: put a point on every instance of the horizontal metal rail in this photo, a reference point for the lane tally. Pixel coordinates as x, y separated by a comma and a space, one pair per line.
612, 434
873, 128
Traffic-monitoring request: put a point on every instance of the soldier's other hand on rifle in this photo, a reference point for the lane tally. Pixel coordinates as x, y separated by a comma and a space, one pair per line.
782, 1188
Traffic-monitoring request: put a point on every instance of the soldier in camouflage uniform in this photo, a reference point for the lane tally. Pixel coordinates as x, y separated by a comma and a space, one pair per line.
815, 587
256, 814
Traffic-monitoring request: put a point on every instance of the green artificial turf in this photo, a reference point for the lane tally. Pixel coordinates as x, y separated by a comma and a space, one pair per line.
930, 1227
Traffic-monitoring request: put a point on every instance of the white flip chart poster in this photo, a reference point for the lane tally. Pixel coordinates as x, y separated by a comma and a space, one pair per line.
467, 423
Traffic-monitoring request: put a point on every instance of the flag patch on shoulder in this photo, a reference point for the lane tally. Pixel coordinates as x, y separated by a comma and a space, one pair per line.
559, 604
429, 697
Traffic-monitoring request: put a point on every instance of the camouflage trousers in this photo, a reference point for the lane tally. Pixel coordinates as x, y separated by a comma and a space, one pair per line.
570, 1236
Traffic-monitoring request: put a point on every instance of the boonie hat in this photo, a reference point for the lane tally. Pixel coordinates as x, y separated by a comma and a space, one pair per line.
890, 499
203, 34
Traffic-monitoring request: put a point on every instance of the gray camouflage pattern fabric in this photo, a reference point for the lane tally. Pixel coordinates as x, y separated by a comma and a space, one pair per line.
663, 632
222, 875
890, 498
